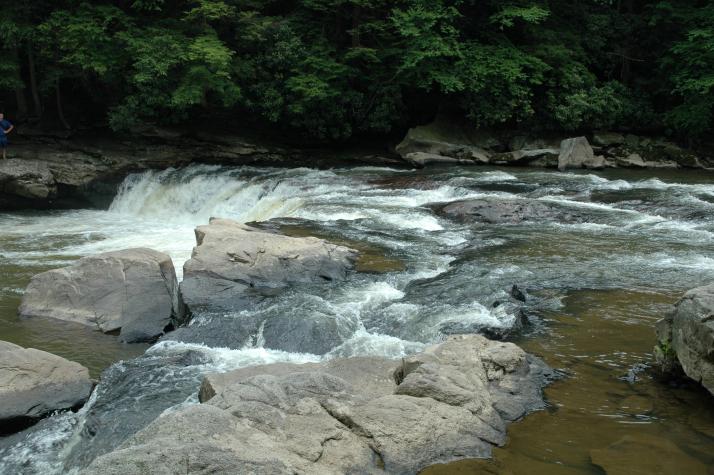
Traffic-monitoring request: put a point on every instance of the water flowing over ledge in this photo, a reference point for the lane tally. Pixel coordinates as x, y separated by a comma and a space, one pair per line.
634, 232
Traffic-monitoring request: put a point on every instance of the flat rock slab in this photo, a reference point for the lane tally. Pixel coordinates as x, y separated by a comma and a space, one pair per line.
34, 383
134, 291
231, 258
355, 415
509, 211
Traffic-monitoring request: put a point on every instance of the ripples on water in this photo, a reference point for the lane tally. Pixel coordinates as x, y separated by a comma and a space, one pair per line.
642, 236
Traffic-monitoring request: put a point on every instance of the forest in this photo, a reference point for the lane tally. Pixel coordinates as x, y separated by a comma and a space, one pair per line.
331, 70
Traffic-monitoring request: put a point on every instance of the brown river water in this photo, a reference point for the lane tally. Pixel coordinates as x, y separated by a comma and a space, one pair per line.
595, 287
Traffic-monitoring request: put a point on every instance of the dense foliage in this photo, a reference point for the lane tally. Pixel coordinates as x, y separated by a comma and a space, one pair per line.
338, 68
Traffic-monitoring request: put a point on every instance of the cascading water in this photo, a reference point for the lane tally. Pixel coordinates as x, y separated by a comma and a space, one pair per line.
637, 233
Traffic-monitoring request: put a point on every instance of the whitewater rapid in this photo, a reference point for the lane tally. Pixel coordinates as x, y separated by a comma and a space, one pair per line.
644, 232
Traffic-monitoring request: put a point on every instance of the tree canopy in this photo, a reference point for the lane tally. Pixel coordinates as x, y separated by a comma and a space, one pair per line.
334, 69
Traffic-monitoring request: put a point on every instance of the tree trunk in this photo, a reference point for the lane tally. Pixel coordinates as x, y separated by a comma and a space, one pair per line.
60, 111
21, 102
33, 82
356, 21
20, 98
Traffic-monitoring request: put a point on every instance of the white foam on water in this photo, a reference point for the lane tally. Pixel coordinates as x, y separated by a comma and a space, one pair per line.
363, 343
44, 451
594, 227
483, 177
585, 204
370, 168
692, 261
615, 185
475, 314
226, 359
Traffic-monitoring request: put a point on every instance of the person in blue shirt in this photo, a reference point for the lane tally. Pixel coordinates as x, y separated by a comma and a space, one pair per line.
5, 128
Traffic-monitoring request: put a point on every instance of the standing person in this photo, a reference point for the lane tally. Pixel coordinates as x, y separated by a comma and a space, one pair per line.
5, 128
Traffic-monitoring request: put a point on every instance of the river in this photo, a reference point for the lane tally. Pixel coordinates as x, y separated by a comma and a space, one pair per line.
594, 287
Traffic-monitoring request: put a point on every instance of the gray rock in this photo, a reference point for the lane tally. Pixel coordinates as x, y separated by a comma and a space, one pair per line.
508, 211
661, 164
632, 141
30, 179
633, 160
683, 158
530, 155
307, 333
608, 139
531, 143
686, 336
34, 383
575, 153
548, 160
231, 258
421, 159
355, 415
235, 267
368, 374
447, 137
132, 290
598, 162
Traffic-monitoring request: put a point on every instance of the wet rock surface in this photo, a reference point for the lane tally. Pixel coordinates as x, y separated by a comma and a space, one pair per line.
686, 337
456, 278
133, 291
509, 211
235, 267
34, 383
231, 258
360, 415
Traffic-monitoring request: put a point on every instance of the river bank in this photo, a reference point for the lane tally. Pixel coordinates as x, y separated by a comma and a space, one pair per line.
84, 169
646, 234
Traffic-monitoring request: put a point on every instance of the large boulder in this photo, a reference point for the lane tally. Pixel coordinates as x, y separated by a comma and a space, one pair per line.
447, 138
34, 383
134, 291
686, 337
577, 153
27, 180
232, 260
357, 415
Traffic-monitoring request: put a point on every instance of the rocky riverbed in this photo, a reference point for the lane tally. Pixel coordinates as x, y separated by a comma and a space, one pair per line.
532, 255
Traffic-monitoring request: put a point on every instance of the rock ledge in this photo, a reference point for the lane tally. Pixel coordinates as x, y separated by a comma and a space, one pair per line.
353, 415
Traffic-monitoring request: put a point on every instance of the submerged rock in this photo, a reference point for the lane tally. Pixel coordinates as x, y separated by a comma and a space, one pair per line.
34, 383
633, 160
619, 458
355, 415
231, 258
134, 291
509, 211
421, 159
686, 337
